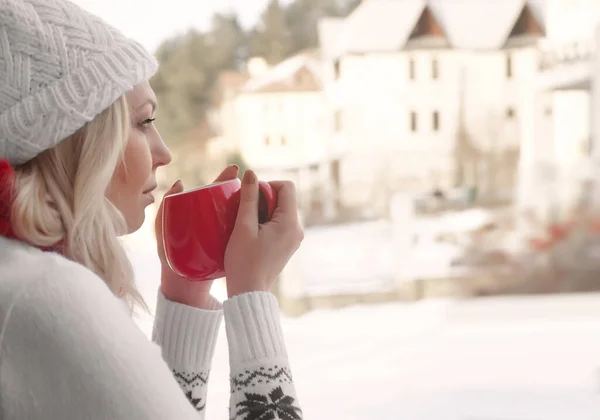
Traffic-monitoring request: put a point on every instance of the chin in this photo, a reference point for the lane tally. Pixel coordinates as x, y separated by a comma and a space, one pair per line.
136, 226
136, 222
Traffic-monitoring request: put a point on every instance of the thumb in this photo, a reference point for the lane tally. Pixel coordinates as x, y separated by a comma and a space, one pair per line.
176, 188
248, 210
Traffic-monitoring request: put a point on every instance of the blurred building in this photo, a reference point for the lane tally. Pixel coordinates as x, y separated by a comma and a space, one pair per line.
424, 97
277, 121
223, 146
429, 95
558, 166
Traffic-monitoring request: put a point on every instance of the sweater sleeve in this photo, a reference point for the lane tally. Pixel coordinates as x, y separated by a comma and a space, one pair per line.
260, 375
70, 350
187, 337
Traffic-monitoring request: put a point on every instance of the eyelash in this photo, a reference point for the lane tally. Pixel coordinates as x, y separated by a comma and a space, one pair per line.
146, 123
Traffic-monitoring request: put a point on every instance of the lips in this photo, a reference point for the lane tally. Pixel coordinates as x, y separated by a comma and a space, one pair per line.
150, 190
150, 197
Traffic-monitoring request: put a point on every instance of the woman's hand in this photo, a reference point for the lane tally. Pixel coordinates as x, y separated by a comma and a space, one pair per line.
256, 254
174, 287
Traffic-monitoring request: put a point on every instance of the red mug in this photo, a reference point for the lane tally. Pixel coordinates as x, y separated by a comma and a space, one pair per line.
197, 225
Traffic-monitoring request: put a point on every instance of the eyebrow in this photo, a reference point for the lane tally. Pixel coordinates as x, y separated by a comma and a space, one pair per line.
149, 101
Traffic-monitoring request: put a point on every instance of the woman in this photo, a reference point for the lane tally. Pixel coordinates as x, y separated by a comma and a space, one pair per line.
80, 154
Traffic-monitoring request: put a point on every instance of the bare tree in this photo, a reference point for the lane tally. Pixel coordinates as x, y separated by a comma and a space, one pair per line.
466, 155
499, 153
486, 156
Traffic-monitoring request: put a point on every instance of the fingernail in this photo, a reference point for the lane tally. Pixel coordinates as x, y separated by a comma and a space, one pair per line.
234, 166
176, 183
249, 177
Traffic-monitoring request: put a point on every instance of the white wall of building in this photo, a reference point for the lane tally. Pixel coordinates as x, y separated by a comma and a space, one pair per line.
552, 166
570, 20
284, 135
554, 163
377, 96
282, 130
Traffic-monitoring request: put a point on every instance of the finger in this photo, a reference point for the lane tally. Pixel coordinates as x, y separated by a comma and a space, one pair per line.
228, 173
287, 205
248, 210
175, 189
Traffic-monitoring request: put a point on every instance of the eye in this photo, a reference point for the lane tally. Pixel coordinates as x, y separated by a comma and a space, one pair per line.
144, 125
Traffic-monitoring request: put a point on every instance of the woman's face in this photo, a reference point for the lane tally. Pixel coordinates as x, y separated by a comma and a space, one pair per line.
132, 184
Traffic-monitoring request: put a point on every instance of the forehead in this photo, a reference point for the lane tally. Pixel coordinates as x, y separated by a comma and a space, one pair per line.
140, 96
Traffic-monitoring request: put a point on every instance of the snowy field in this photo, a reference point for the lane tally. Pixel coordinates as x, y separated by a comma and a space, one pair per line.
535, 358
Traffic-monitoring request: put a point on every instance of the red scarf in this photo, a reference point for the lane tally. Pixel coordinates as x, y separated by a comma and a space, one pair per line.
7, 180
7, 176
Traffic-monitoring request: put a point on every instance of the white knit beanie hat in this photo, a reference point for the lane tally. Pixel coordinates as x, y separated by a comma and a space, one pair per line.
59, 68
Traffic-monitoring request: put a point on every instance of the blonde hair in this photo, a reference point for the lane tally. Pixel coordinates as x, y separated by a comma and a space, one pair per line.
60, 198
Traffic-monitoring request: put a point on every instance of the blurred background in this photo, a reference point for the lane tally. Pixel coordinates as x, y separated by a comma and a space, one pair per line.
446, 158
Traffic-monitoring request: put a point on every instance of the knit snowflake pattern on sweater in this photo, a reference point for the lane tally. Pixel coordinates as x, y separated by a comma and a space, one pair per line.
262, 376
194, 387
273, 405
260, 394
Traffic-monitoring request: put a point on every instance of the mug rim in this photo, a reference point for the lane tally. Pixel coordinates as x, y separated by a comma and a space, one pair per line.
203, 187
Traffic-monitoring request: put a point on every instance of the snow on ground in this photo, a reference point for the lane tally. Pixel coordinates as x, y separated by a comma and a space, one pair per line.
350, 259
530, 358
455, 221
362, 257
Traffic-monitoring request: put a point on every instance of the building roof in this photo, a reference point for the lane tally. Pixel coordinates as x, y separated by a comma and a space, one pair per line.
386, 25
381, 25
539, 9
281, 77
475, 24
231, 78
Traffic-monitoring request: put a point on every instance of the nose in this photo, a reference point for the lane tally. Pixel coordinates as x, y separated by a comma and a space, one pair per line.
161, 155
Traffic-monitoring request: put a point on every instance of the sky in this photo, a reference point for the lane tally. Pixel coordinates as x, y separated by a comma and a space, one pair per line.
152, 21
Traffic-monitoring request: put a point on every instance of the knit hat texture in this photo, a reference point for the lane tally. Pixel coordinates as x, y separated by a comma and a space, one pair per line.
60, 67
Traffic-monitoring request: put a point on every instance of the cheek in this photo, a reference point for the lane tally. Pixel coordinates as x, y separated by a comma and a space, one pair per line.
137, 164
134, 171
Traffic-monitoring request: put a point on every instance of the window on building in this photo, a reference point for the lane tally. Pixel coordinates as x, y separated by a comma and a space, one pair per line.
436, 121
283, 141
336, 69
411, 69
267, 141
510, 113
435, 70
413, 121
509, 66
336, 177
338, 121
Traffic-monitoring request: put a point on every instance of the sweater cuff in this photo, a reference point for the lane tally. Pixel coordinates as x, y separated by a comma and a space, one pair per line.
187, 335
253, 325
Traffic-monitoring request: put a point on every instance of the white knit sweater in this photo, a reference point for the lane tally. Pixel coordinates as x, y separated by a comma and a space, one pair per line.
69, 350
